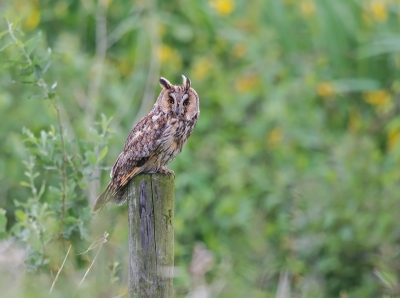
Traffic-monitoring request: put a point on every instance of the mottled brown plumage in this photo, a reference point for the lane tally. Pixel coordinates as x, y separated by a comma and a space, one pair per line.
156, 140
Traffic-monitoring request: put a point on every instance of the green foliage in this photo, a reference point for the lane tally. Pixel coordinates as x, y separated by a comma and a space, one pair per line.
3, 223
57, 210
290, 175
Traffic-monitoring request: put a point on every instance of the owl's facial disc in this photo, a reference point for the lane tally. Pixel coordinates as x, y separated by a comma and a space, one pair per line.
179, 101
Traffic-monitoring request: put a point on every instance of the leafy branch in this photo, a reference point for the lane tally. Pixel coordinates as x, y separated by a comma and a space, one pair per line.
57, 209
50, 95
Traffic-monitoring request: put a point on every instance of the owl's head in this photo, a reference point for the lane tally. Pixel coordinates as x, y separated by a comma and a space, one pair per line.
178, 101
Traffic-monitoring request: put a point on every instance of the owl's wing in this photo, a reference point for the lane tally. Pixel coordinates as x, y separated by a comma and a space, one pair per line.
143, 140
141, 143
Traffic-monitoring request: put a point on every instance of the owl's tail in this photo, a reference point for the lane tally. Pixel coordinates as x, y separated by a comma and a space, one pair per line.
109, 194
102, 200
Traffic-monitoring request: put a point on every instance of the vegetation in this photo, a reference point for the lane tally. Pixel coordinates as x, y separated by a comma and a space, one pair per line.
289, 183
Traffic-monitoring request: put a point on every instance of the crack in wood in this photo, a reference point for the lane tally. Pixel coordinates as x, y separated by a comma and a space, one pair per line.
150, 212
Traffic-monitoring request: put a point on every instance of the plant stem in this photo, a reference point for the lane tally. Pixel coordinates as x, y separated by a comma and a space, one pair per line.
64, 164
59, 270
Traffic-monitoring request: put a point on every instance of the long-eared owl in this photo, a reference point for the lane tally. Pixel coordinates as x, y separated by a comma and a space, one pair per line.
155, 140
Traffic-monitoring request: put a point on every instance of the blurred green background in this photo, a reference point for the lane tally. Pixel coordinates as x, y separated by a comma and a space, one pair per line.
288, 187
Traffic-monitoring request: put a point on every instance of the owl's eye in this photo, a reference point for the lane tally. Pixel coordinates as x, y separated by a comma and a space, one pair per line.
186, 103
171, 101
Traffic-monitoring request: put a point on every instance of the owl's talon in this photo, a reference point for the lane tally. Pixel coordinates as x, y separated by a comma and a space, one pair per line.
166, 171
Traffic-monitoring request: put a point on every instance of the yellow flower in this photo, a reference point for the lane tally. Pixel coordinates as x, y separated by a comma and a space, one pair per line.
33, 19
354, 121
165, 52
325, 89
247, 83
393, 138
275, 136
378, 98
378, 9
239, 50
307, 8
223, 7
201, 68
169, 55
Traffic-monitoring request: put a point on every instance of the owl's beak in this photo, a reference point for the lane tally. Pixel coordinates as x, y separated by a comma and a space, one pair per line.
177, 110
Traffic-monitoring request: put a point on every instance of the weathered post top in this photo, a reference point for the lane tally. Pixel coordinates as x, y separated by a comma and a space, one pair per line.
150, 200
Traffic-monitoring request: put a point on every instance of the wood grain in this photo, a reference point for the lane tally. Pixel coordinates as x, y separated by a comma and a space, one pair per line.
151, 235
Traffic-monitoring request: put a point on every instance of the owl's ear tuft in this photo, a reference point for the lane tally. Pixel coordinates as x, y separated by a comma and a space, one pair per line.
165, 84
186, 82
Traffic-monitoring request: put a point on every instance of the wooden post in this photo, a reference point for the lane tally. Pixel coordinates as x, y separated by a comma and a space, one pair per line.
150, 200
